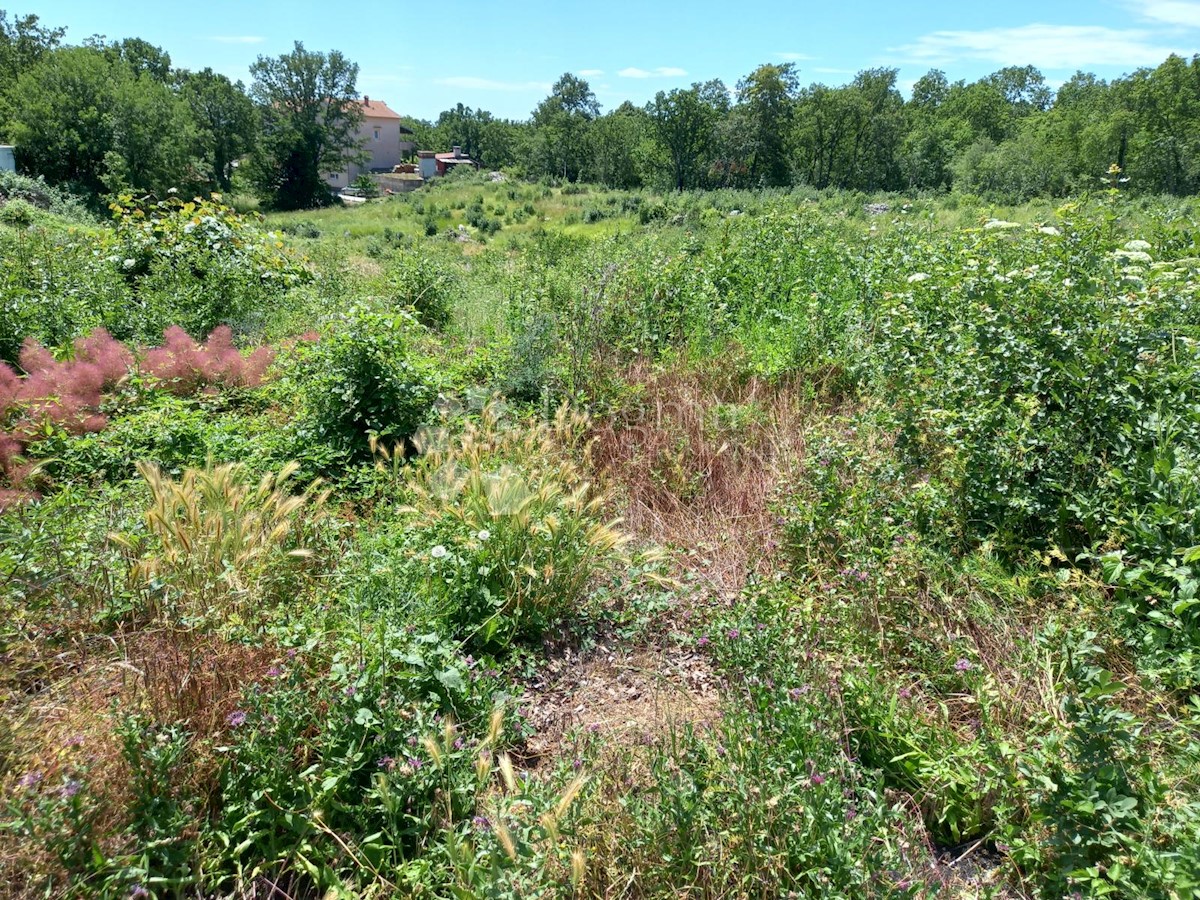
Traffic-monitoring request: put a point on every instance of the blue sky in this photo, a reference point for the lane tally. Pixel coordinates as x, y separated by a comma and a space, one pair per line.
422, 57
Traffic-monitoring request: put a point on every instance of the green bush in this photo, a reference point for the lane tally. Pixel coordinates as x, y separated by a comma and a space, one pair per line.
17, 212
197, 264
360, 382
426, 286
37, 193
54, 287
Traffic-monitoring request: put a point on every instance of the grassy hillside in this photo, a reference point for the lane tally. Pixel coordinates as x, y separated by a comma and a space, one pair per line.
503, 540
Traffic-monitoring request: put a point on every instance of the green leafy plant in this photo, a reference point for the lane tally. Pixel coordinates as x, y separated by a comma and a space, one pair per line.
360, 381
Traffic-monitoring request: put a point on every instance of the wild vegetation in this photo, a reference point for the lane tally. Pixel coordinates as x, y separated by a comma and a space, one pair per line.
505, 539
110, 117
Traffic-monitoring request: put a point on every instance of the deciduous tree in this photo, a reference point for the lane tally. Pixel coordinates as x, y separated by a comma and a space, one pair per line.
310, 119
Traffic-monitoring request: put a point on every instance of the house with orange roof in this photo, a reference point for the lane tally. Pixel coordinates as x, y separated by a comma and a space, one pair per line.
383, 137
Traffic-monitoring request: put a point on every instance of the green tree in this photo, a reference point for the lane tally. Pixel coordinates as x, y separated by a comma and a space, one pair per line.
618, 147
928, 145
85, 117
152, 135
23, 42
562, 121
683, 122
310, 119
142, 58
1164, 153
225, 122
767, 97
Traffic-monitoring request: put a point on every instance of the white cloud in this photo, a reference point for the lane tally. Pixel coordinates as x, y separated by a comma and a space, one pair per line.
238, 39
1046, 46
591, 73
1169, 12
660, 72
794, 57
471, 83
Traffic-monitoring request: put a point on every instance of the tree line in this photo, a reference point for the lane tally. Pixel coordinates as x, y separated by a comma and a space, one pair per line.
105, 117
1007, 136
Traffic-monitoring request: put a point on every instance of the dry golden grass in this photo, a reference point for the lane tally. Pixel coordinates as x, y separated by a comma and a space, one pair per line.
68, 729
697, 461
222, 540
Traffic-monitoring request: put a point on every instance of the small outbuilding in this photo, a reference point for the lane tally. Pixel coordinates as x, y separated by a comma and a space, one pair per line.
8, 162
447, 162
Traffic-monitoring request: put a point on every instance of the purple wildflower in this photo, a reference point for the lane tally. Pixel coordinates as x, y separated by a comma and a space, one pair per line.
817, 779
458, 743
237, 718
413, 763
274, 672
703, 642
594, 727
29, 779
734, 634
483, 823
963, 665
138, 892
291, 654
386, 762
577, 764
74, 740
70, 788
351, 691
905, 693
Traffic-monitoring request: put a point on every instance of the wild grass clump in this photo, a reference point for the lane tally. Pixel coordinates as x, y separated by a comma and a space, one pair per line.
221, 547
507, 530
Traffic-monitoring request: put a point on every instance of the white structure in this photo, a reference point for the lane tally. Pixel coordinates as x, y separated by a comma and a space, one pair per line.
382, 136
7, 162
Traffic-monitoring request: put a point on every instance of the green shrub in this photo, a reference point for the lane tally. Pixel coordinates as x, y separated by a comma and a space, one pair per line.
366, 184
360, 382
55, 287
17, 212
197, 264
426, 286
37, 193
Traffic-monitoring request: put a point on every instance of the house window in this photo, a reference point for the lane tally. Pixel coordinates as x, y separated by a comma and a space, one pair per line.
376, 134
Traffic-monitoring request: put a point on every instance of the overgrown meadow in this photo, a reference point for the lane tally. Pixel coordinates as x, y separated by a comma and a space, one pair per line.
510, 540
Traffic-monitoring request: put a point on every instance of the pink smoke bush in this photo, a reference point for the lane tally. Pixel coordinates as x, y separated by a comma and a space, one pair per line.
68, 394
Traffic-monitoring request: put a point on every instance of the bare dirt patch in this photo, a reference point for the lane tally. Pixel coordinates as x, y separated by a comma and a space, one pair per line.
623, 697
